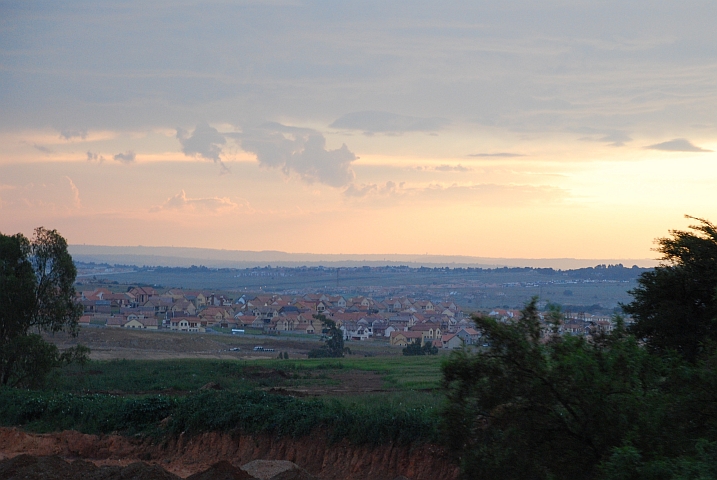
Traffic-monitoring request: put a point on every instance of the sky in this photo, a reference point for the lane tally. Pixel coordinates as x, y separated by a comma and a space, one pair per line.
515, 129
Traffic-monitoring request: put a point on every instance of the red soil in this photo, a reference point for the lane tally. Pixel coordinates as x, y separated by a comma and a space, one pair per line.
185, 456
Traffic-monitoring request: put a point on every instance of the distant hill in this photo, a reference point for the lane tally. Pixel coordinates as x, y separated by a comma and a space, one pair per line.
185, 257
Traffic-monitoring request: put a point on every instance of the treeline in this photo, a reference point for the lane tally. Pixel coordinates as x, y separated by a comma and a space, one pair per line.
636, 403
599, 272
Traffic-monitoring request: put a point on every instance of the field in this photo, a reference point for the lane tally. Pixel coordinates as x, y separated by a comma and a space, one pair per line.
119, 343
300, 378
194, 383
143, 361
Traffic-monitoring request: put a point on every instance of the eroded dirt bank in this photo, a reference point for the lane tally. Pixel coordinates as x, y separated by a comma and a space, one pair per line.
184, 456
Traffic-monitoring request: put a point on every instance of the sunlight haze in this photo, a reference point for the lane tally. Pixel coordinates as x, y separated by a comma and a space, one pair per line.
491, 129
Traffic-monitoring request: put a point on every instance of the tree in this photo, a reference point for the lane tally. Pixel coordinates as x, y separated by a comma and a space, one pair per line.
675, 305
415, 348
333, 346
636, 403
537, 408
36, 295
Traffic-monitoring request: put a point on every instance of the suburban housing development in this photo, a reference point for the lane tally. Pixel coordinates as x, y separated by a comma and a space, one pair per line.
399, 321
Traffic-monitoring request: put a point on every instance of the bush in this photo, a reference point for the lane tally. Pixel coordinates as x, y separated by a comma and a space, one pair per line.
415, 348
250, 412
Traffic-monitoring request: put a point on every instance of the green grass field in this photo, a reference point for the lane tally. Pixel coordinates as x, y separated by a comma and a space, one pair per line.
151, 376
165, 397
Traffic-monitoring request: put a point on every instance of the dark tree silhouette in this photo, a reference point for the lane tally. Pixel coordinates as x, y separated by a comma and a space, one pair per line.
675, 305
37, 295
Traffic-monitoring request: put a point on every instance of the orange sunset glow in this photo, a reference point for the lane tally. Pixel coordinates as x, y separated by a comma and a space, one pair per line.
515, 130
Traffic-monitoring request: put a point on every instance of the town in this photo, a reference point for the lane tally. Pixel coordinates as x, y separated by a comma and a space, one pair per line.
397, 321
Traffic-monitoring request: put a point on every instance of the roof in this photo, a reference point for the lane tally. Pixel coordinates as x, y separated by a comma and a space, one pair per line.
408, 334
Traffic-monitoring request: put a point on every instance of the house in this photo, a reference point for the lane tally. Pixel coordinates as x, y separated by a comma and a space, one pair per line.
183, 306
142, 294
401, 339
339, 301
244, 321
430, 331
141, 321
228, 322
186, 324
215, 315
451, 341
160, 305
306, 328
355, 330
285, 323
470, 336
394, 306
199, 299
425, 305
259, 323
378, 328
116, 322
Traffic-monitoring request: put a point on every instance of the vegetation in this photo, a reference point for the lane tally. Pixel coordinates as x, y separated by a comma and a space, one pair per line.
333, 346
639, 402
79, 399
675, 305
414, 348
635, 403
36, 295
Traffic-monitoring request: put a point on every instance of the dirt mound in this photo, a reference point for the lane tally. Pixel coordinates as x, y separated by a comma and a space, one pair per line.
277, 470
186, 455
222, 471
27, 467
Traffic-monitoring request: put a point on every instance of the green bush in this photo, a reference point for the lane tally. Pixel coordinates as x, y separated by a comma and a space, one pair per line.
249, 412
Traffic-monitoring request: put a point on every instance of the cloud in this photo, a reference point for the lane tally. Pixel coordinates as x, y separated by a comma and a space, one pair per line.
615, 138
181, 202
452, 168
389, 188
75, 193
94, 157
384, 122
677, 145
59, 196
127, 157
205, 141
42, 148
487, 194
301, 151
490, 194
70, 134
498, 155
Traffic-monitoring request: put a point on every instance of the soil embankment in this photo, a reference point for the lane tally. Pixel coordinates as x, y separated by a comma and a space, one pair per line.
185, 456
